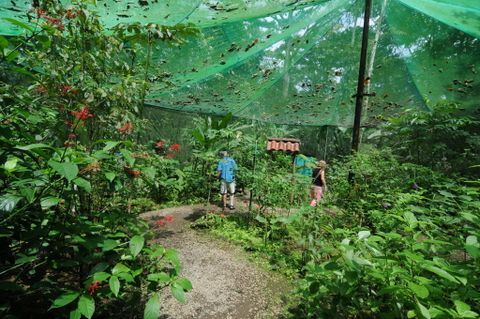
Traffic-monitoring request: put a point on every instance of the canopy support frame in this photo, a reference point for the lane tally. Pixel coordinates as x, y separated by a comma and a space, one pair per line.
361, 78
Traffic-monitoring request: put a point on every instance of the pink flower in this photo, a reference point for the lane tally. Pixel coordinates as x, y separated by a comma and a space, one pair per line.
169, 155
160, 144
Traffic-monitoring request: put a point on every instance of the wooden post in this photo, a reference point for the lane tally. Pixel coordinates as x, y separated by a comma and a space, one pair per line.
361, 78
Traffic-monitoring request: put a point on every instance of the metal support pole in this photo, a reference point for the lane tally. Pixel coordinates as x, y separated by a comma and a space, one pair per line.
250, 200
361, 77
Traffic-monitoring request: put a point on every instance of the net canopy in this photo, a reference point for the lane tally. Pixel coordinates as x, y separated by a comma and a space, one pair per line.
296, 62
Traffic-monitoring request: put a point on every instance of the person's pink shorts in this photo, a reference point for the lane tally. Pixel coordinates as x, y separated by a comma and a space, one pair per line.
316, 195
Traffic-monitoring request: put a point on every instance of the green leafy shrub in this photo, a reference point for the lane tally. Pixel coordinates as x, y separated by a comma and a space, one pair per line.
445, 139
71, 242
416, 256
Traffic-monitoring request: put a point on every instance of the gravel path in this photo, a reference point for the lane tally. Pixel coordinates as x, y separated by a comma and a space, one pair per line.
225, 284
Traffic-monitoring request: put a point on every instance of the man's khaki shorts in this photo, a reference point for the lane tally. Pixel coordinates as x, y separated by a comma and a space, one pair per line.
224, 187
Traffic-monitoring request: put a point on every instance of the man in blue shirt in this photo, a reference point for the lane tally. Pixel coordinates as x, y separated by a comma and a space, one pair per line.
226, 174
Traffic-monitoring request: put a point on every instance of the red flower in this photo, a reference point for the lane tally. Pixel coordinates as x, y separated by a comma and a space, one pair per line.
160, 222
56, 22
83, 114
175, 147
169, 155
64, 89
133, 173
40, 89
160, 144
72, 136
41, 13
126, 128
169, 218
93, 287
71, 14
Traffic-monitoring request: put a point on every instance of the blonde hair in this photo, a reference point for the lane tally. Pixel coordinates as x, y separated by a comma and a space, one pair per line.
322, 164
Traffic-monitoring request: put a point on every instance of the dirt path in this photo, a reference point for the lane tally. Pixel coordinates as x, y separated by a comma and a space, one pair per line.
225, 284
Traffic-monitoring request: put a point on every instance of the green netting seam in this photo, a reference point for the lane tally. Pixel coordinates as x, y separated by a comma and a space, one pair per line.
395, 41
280, 74
212, 71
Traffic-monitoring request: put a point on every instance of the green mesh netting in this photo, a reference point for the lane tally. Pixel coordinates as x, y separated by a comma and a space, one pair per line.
296, 62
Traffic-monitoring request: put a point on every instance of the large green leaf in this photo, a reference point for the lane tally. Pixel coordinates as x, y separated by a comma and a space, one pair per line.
100, 276
83, 183
472, 246
110, 176
114, 284
442, 273
159, 277
86, 305
464, 310
363, 234
260, 219
198, 135
152, 308
136, 245
64, 299
66, 169
109, 244
119, 268
3, 42
19, 24
419, 290
75, 314
225, 121
30, 147
178, 292
49, 201
8, 202
110, 144
128, 156
185, 284
172, 256
11, 164
423, 311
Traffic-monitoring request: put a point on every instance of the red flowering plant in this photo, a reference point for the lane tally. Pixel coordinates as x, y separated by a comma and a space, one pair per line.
159, 144
94, 286
175, 147
132, 172
83, 114
168, 151
163, 220
127, 128
68, 177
